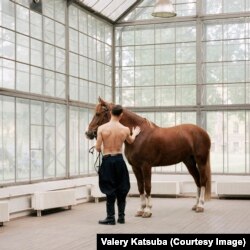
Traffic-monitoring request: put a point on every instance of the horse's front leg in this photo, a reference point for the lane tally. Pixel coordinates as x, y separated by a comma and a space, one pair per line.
140, 210
147, 180
140, 185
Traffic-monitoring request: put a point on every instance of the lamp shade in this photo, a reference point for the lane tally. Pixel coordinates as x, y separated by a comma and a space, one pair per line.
163, 8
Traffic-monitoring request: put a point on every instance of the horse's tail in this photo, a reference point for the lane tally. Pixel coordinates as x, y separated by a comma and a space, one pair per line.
208, 177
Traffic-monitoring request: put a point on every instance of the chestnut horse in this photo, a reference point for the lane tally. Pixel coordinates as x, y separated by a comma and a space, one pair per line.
156, 146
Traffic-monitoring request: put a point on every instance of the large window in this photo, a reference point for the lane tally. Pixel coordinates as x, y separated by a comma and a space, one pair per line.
159, 70
193, 66
90, 58
230, 151
53, 67
226, 61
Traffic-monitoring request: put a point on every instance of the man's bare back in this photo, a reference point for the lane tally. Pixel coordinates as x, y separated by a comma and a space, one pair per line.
112, 136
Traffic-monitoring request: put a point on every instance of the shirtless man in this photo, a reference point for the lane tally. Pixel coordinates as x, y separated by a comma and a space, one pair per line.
113, 173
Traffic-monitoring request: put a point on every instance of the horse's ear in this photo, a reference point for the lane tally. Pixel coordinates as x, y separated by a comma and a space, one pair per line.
101, 101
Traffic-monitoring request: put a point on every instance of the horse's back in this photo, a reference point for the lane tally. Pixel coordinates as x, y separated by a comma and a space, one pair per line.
196, 135
183, 140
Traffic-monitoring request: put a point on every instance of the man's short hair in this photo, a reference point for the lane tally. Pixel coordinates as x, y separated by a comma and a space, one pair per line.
117, 110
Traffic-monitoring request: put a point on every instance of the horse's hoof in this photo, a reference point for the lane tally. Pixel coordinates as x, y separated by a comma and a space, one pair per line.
194, 207
139, 213
146, 215
199, 210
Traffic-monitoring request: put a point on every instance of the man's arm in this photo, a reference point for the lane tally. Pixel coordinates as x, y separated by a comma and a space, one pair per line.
131, 138
98, 145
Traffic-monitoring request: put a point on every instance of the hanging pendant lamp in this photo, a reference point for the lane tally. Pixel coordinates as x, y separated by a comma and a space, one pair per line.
163, 8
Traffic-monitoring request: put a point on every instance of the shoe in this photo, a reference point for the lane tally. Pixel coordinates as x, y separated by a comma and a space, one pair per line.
121, 220
108, 221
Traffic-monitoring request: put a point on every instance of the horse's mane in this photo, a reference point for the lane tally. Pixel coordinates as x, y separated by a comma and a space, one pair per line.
133, 117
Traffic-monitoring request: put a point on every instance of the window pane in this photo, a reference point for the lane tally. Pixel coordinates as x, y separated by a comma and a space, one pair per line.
61, 140
165, 75
59, 12
60, 35
22, 77
22, 20
8, 14
60, 60
73, 64
36, 53
164, 33
7, 139
165, 54
22, 140
49, 56
84, 87
74, 88
144, 76
165, 96
36, 79
7, 41
213, 73
74, 141
186, 95
49, 152
186, 74
60, 85
236, 147
22, 48
215, 130
185, 52
49, 83
8, 74
144, 55
35, 25
73, 40
49, 30
142, 32
144, 96
84, 143
36, 158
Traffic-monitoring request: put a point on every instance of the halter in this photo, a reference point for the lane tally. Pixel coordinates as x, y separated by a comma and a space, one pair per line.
106, 110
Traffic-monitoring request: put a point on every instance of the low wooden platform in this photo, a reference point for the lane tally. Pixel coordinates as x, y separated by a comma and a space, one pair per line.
76, 229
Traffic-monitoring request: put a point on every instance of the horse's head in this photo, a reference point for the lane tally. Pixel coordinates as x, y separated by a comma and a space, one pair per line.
101, 116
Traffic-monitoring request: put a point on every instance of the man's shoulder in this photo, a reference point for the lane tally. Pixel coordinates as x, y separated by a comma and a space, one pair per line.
124, 128
104, 127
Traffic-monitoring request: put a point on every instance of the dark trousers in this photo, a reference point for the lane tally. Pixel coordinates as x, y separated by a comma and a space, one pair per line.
114, 182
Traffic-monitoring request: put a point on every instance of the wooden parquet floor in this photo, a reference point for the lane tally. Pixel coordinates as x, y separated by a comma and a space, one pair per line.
76, 229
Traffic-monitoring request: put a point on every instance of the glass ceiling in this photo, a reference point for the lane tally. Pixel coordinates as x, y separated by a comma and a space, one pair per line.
112, 9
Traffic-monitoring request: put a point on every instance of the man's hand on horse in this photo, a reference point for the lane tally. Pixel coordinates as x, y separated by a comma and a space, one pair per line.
136, 131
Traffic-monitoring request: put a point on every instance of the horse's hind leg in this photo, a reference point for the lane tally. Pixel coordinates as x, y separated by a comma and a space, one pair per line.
193, 170
205, 181
140, 184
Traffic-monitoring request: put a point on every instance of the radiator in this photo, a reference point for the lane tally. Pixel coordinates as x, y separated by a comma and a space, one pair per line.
165, 187
96, 192
4, 212
241, 188
158, 188
53, 199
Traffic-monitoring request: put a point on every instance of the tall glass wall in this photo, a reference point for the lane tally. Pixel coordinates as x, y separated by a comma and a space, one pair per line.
53, 66
196, 63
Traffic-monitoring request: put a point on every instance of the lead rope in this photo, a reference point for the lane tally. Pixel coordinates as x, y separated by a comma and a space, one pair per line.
98, 159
